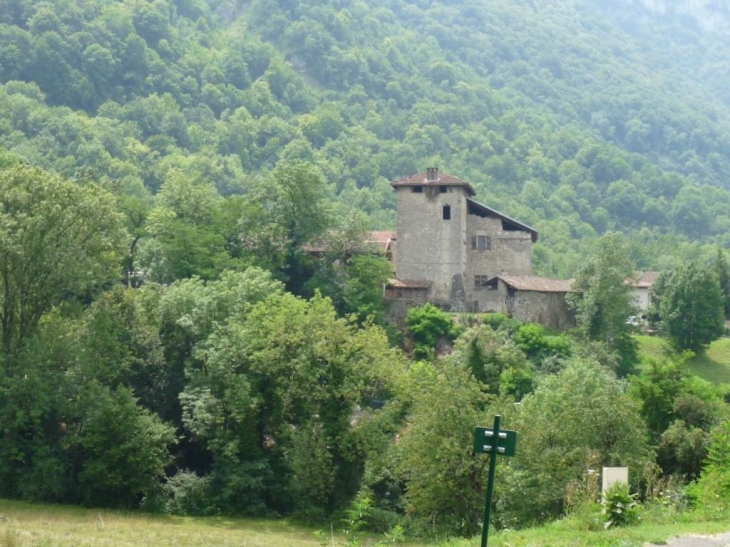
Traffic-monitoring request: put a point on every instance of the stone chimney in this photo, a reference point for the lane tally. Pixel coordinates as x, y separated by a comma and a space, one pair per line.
432, 174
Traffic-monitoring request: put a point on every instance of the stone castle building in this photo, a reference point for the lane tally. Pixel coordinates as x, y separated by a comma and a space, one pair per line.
462, 255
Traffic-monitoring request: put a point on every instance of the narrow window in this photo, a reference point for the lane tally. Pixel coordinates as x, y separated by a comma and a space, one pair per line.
418, 189
481, 243
447, 212
443, 189
480, 281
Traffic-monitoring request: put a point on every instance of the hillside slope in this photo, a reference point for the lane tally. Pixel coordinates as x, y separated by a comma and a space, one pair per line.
576, 116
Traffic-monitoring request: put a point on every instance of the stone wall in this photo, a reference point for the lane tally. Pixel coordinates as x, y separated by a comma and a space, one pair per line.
510, 254
549, 309
545, 308
429, 247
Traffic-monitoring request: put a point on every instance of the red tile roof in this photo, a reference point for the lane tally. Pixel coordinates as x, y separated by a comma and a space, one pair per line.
646, 279
384, 240
408, 284
538, 284
443, 180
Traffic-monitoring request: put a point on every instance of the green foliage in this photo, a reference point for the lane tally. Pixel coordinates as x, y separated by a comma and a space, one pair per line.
56, 239
603, 300
500, 321
426, 325
445, 480
352, 272
272, 407
619, 506
679, 413
692, 308
723, 276
657, 387
683, 449
712, 491
188, 494
494, 361
119, 449
578, 419
538, 346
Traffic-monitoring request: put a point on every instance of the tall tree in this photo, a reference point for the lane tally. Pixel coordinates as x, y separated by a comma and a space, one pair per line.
723, 275
56, 238
293, 212
602, 297
692, 309
58, 241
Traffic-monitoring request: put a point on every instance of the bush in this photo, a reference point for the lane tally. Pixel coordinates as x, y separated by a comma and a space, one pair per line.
500, 321
619, 506
580, 418
538, 346
188, 495
425, 326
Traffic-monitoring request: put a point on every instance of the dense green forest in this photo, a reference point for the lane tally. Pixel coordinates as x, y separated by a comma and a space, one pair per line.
577, 117
168, 342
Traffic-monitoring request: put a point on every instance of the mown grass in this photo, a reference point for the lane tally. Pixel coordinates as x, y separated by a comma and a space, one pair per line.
651, 347
712, 365
25, 525
584, 528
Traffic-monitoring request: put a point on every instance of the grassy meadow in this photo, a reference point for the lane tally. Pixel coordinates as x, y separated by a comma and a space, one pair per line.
26, 525
712, 365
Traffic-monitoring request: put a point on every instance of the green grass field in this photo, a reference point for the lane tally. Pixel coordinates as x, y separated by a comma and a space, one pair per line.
25, 525
713, 365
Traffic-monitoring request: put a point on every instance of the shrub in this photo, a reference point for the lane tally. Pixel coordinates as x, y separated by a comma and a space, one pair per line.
188, 495
500, 321
426, 325
538, 346
712, 491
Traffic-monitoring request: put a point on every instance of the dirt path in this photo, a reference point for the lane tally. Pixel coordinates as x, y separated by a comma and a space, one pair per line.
697, 540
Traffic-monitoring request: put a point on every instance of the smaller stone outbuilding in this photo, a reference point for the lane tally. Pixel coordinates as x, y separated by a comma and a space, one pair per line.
530, 299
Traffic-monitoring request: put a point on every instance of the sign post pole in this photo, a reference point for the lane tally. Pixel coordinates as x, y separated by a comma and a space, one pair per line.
490, 484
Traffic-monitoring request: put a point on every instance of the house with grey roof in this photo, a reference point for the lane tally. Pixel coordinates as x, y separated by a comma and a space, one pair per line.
465, 256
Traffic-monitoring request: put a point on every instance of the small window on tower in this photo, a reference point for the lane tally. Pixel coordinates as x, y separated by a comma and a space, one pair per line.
447, 212
443, 189
418, 189
481, 243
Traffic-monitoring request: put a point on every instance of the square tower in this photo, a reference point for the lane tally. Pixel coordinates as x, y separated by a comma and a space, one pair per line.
432, 231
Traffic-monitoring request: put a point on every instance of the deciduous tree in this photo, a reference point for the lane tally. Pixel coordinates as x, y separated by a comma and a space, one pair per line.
692, 309
56, 239
602, 297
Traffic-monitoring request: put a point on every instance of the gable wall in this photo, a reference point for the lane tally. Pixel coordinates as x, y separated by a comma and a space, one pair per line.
510, 254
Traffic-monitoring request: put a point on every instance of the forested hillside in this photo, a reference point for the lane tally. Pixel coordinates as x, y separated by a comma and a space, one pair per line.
577, 117
192, 319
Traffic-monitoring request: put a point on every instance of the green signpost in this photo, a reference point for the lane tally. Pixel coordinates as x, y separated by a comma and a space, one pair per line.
495, 442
